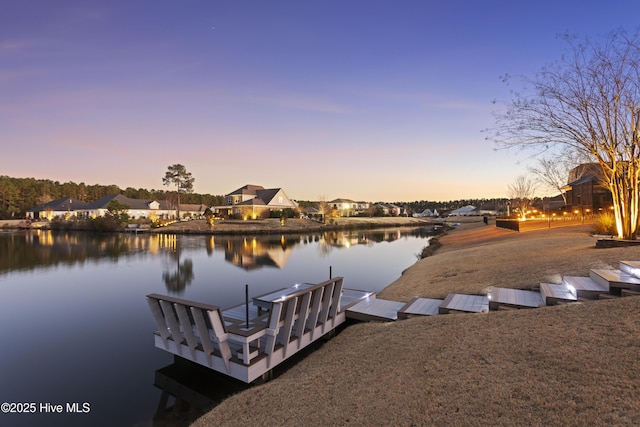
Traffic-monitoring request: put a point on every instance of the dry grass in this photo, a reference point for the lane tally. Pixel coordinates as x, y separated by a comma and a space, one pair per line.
568, 365
474, 259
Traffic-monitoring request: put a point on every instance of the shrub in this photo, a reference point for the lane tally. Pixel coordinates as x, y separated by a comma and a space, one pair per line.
105, 223
605, 223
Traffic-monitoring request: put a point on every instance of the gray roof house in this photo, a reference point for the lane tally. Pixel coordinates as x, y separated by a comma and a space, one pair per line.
468, 210
66, 206
254, 200
138, 208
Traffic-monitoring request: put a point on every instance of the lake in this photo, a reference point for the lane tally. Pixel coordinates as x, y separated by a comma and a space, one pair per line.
76, 331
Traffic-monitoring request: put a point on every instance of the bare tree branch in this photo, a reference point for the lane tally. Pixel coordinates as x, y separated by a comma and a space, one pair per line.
587, 102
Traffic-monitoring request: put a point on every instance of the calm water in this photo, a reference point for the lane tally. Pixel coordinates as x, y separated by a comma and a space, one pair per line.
76, 331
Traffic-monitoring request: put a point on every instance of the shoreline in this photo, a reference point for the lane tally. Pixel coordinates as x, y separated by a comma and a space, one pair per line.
262, 226
291, 226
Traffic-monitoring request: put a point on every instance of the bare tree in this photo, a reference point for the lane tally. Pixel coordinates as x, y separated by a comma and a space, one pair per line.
588, 101
521, 192
324, 207
552, 173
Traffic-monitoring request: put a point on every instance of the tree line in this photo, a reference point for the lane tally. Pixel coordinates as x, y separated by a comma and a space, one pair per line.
18, 195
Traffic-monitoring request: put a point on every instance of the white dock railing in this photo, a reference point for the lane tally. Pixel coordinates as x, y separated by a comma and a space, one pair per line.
246, 351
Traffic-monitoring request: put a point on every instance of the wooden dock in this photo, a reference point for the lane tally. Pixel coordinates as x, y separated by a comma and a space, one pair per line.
514, 298
245, 350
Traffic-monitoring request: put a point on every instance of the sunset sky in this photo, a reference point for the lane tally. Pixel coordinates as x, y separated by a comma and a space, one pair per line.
360, 99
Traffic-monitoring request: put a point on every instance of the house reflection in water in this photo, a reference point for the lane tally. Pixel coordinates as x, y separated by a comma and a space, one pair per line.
251, 253
346, 239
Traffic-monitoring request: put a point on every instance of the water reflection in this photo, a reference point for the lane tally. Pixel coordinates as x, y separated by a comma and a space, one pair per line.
182, 276
251, 253
27, 250
188, 390
87, 312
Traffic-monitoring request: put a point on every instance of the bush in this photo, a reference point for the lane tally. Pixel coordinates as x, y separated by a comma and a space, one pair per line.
105, 223
605, 223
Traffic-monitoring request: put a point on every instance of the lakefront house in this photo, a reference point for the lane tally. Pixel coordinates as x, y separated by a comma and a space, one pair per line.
68, 207
255, 201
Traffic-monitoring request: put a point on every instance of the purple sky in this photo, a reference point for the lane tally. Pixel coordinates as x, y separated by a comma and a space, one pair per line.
368, 100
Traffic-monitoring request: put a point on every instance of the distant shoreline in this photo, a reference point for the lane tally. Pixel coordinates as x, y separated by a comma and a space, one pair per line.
270, 226
291, 226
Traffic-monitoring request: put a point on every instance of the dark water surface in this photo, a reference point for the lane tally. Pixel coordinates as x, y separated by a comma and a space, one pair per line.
76, 332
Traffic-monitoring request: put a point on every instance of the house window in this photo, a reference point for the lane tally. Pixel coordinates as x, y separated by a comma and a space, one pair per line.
280, 199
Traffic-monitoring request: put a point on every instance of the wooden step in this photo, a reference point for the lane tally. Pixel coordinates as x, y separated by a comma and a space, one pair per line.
615, 280
630, 267
460, 303
420, 307
557, 293
586, 287
515, 298
375, 309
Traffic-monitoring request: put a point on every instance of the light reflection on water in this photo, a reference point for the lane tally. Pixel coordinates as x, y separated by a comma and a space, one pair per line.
74, 322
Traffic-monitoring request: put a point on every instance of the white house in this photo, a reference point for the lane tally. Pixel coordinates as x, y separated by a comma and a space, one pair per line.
69, 207
253, 201
465, 211
137, 208
426, 213
64, 208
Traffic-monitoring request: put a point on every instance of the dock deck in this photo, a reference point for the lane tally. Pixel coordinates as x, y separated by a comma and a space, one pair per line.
247, 349
353, 296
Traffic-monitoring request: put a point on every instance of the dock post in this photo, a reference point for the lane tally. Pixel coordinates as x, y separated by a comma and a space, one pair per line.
246, 306
330, 273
